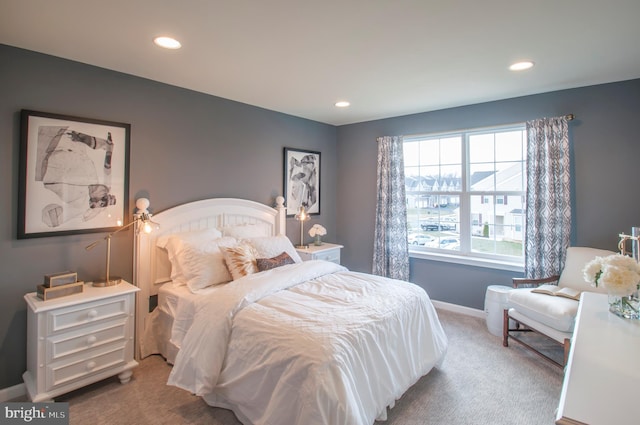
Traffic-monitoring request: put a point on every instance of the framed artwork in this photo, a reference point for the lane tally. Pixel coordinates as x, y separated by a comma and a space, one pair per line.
302, 181
74, 175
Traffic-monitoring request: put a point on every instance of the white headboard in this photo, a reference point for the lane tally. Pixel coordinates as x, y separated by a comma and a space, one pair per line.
151, 267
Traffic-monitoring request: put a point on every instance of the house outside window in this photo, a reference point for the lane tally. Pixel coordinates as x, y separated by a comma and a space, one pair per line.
466, 192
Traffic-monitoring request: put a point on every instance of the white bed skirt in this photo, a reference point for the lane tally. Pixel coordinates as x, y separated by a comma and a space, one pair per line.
157, 335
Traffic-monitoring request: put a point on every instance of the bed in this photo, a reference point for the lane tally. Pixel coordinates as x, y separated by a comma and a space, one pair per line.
277, 340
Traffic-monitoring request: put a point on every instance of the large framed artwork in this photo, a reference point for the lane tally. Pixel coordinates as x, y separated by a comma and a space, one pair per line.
74, 175
302, 180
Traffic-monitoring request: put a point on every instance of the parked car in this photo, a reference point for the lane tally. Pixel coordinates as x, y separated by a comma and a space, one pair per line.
430, 226
433, 226
447, 226
449, 243
420, 239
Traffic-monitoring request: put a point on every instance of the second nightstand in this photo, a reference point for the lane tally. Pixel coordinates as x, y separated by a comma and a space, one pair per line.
326, 251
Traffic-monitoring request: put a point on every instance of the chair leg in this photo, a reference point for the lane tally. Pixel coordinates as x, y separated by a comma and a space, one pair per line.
526, 328
505, 328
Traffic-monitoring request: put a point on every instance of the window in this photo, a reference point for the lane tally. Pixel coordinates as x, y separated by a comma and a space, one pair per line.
465, 190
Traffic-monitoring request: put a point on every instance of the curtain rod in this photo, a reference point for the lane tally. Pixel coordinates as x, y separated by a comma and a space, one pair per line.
568, 117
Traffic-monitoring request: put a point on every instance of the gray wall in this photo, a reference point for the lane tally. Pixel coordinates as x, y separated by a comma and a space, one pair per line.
184, 146
187, 146
605, 152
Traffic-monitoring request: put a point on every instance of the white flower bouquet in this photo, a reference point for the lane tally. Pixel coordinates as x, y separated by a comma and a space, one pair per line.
317, 230
618, 273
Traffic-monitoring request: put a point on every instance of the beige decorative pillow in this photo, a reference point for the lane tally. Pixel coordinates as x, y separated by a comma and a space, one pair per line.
240, 260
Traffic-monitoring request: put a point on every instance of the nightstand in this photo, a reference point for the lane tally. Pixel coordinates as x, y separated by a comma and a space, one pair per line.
326, 251
79, 339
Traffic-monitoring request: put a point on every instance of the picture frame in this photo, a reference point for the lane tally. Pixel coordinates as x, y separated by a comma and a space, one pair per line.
74, 175
302, 173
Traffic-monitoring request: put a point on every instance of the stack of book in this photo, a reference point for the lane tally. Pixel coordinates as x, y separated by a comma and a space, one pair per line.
59, 285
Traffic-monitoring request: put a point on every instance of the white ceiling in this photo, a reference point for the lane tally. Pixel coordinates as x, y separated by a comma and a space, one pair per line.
387, 57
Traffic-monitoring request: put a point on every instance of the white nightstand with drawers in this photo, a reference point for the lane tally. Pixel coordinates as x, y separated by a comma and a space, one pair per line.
326, 251
79, 339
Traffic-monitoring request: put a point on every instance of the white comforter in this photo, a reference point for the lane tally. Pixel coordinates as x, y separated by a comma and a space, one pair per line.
307, 343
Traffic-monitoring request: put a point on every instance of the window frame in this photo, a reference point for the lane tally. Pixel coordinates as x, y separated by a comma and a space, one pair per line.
465, 255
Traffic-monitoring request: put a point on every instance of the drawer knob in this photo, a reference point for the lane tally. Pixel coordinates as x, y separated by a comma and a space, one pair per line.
92, 314
91, 340
91, 365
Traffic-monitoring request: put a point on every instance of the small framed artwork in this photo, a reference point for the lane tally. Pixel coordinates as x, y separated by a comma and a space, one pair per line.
302, 181
74, 175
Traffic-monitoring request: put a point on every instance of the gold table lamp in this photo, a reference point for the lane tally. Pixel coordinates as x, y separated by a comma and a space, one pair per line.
302, 216
142, 216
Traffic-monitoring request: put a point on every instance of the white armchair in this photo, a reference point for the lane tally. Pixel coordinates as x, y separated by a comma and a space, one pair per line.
550, 316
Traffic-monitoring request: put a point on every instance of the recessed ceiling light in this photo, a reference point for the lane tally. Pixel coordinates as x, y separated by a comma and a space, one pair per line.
342, 104
521, 66
167, 42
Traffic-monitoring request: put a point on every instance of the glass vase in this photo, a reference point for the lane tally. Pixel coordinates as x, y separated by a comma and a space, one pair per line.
627, 307
318, 241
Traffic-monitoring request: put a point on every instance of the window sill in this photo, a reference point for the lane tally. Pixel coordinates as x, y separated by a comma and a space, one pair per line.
468, 260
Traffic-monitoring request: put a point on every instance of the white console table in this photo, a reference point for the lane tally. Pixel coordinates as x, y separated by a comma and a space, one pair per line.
602, 380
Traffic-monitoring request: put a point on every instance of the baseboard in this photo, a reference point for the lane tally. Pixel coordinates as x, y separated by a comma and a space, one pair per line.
459, 309
11, 393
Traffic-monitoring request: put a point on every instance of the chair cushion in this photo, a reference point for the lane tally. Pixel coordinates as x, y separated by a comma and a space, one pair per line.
577, 258
556, 312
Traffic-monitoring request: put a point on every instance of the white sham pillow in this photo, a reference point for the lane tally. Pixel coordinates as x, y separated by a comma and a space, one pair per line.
173, 245
193, 236
196, 259
244, 231
272, 246
204, 265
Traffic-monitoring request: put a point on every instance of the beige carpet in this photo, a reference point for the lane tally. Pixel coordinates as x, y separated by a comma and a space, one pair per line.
480, 383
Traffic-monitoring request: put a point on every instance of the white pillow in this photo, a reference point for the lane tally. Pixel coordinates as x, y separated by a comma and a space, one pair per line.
192, 236
204, 266
243, 231
196, 259
173, 245
272, 246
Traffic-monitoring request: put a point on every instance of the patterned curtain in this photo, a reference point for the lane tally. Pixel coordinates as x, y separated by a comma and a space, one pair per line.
390, 249
548, 226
